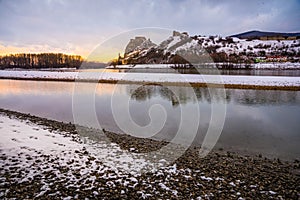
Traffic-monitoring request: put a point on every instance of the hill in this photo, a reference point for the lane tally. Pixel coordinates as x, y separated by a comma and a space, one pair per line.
180, 48
263, 34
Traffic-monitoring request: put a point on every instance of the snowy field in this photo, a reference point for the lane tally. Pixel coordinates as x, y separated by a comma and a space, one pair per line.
156, 78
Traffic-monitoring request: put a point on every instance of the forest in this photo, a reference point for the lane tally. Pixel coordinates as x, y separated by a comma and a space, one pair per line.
41, 60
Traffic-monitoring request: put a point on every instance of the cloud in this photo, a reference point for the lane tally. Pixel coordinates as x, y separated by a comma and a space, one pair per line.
84, 24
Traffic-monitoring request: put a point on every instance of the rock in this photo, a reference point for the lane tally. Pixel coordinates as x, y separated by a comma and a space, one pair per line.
138, 43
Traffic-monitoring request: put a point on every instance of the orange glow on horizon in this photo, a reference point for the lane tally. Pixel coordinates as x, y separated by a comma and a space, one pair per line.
104, 54
98, 55
7, 50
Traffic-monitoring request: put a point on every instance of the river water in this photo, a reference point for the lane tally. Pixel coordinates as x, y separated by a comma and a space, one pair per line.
257, 121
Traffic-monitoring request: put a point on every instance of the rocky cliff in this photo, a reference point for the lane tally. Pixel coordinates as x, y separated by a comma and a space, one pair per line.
138, 44
180, 48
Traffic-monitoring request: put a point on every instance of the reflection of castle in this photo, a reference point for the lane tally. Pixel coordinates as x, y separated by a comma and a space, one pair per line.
148, 91
179, 95
176, 95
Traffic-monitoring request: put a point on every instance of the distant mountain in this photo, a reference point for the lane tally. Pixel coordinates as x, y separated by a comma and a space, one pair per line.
263, 34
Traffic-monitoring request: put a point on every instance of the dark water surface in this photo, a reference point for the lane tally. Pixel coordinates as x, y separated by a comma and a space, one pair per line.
257, 121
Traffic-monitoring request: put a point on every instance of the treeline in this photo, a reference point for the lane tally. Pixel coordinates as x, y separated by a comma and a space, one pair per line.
42, 60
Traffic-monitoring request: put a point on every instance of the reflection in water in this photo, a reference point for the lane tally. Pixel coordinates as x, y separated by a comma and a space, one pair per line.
248, 97
257, 121
145, 92
267, 97
8, 87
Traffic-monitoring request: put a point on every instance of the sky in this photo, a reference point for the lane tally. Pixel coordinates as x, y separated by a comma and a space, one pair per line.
78, 26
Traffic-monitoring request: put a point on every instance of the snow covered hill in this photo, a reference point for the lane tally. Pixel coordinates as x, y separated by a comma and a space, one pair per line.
180, 48
264, 34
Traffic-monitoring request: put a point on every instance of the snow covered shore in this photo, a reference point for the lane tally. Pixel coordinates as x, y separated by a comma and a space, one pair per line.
46, 159
110, 77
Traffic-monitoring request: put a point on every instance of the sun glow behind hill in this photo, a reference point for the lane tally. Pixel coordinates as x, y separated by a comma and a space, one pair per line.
112, 47
103, 52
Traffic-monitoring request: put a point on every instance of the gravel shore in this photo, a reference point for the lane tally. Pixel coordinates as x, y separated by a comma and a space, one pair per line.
70, 170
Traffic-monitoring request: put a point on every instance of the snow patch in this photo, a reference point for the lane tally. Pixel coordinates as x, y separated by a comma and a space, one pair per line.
206, 178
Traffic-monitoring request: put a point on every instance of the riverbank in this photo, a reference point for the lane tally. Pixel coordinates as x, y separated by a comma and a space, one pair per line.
44, 158
220, 81
219, 65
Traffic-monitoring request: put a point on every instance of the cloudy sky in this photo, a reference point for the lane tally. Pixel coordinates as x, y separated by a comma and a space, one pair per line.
77, 26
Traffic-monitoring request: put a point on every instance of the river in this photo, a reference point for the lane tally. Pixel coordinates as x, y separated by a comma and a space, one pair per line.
257, 121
